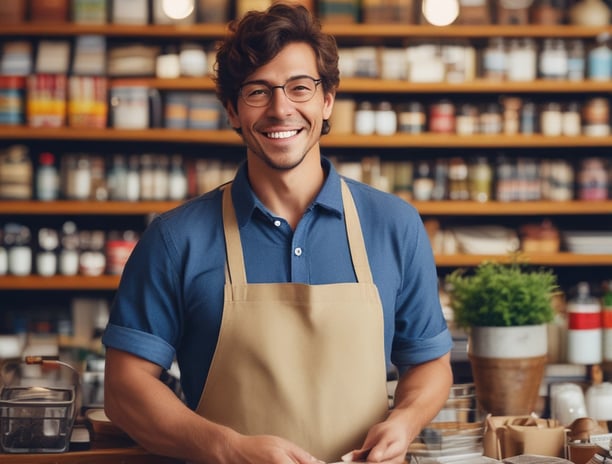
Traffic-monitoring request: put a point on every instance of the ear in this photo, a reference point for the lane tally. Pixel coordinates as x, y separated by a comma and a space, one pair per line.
232, 115
328, 104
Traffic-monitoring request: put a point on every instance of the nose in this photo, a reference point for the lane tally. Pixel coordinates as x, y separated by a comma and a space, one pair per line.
279, 102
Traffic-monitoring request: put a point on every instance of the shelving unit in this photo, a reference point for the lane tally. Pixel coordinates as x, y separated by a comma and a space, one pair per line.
346, 34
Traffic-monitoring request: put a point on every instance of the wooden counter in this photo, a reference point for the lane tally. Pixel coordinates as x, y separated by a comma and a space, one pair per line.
134, 455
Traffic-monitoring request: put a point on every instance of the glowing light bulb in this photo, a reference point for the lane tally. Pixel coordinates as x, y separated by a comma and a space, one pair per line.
440, 12
177, 9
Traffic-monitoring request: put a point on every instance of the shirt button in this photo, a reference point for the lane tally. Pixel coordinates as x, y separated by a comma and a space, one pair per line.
277, 223
298, 251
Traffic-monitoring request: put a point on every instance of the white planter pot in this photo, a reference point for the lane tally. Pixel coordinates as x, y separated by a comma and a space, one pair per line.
508, 342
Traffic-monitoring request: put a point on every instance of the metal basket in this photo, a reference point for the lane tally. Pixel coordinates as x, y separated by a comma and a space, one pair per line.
36, 418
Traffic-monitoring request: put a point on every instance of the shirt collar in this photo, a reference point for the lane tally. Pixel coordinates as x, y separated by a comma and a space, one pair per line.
246, 203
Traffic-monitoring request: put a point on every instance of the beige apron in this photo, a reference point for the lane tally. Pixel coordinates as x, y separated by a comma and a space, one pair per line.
303, 362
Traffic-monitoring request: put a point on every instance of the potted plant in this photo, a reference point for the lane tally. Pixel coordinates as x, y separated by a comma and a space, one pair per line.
505, 309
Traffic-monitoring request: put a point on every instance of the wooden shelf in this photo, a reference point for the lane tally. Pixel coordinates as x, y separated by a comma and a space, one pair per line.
361, 85
540, 259
85, 207
79, 282
348, 31
110, 283
516, 208
230, 138
426, 208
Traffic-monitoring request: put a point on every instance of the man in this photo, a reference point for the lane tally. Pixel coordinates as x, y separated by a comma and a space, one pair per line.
285, 296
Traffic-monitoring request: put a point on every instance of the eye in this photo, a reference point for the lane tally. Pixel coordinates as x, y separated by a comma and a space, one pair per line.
256, 91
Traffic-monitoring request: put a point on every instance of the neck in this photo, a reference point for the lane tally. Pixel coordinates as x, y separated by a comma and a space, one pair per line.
287, 193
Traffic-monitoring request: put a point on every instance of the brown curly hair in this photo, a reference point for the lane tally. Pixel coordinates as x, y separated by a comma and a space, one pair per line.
259, 36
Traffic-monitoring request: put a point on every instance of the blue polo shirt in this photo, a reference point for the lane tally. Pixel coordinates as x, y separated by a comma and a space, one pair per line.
170, 299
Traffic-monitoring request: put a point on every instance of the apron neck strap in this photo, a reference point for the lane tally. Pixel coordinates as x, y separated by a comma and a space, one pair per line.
235, 271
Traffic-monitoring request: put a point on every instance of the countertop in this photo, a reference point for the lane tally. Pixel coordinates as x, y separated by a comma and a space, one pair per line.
129, 455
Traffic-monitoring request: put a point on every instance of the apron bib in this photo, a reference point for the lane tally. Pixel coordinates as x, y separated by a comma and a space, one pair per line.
303, 362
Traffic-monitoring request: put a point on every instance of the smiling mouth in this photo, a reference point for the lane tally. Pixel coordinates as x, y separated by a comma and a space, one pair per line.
281, 134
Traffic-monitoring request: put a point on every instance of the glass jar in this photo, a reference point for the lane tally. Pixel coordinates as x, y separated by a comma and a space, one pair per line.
442, 117
522, 60
572, 123
551, 119
365, 119
495, 57
491, 119
411, 118
553, 61
467, 119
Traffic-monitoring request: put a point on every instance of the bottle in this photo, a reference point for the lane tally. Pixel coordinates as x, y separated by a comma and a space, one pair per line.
117, 179
17, 237
606, 319
177, 179
584, 334
600, 60
132, 182
46, 258
47, 178
575, 60
553, 61
423, 183
69, 253
458, 179
480, 176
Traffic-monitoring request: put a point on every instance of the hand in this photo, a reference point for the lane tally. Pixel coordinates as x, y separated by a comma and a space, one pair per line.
243, 449
387, 442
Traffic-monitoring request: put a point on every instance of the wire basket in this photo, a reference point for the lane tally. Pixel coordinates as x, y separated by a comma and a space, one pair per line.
36, 418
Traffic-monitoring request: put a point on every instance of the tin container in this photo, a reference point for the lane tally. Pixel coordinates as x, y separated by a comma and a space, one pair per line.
12, 90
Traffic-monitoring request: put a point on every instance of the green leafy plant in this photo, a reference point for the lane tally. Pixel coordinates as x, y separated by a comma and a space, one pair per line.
501, 295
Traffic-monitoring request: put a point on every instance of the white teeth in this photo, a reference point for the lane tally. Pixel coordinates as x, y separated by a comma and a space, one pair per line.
282, 135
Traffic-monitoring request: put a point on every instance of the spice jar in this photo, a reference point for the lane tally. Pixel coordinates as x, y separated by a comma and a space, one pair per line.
571, 124
596, 115
511, 115
592, 180
528, 118
442, 117
522, 60
385, 119
491, 119
467, 119
458, 179
495, 59
551, 119
411, 118
365, 119
553, 61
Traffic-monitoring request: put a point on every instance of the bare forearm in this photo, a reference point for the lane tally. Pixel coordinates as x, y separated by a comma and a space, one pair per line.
154, 417
421, 392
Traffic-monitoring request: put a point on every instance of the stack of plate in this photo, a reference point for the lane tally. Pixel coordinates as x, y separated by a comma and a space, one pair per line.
588, 242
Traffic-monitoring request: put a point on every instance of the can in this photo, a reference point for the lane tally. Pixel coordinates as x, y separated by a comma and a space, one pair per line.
12, 90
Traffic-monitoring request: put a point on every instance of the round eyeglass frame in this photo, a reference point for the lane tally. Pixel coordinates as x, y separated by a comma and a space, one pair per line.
316, 83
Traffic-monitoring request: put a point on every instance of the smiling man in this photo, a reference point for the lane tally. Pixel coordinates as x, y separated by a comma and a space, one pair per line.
288, 295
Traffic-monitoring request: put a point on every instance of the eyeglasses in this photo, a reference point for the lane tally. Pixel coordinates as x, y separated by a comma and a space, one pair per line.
298, 89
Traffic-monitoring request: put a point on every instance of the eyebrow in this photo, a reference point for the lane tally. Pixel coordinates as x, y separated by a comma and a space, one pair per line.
263, 81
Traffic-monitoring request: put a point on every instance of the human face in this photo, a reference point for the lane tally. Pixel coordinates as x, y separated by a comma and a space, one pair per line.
283, 133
